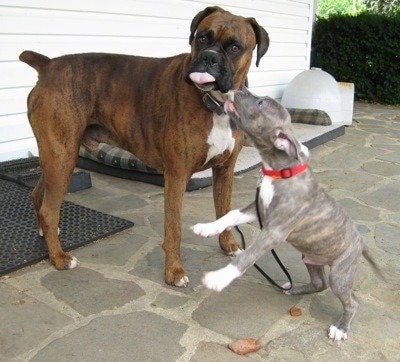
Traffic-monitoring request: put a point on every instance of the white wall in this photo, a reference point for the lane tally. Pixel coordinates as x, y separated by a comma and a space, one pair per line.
142, 27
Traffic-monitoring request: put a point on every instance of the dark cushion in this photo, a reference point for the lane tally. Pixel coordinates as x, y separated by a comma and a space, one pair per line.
116, 157
315, 117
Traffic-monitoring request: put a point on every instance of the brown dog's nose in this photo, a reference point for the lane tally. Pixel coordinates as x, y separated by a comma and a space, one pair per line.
210, 58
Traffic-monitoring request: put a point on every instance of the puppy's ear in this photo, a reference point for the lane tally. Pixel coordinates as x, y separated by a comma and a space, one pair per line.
287, 142
199, 17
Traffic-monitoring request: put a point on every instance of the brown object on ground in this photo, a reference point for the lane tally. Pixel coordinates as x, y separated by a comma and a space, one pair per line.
244, 346
295, 312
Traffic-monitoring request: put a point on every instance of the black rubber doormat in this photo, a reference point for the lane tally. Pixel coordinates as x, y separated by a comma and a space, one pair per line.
20, 244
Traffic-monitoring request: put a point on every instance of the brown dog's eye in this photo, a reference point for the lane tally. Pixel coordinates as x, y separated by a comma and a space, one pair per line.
235, 48
202, 39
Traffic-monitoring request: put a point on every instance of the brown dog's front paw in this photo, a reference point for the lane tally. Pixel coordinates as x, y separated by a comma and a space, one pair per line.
178, 282
183, 282
176, 277
228, 244
65, 261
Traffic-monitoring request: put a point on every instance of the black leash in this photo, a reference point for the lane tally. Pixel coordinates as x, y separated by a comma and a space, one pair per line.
262, 272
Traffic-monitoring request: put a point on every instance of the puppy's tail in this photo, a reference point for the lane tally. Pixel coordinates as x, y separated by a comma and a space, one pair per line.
35, 60
367, 255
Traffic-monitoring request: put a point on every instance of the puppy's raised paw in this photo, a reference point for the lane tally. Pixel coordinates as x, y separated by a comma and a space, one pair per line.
206, 230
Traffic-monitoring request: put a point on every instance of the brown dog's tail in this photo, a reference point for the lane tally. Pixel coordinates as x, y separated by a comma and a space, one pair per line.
35, 60
367, 255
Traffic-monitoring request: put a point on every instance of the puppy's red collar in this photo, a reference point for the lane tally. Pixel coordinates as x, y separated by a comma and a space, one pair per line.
286, 172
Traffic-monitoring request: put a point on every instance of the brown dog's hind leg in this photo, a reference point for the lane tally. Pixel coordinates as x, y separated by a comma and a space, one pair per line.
37, 198
47, 198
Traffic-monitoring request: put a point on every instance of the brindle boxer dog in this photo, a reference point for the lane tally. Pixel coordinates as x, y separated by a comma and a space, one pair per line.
166, 111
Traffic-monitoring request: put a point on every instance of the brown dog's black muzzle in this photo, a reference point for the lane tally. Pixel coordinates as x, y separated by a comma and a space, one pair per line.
210, 59
213, 62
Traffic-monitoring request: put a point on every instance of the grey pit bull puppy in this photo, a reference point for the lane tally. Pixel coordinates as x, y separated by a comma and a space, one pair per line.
293, 208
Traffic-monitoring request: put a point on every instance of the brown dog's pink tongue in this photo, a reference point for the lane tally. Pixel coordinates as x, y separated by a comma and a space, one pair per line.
201, 78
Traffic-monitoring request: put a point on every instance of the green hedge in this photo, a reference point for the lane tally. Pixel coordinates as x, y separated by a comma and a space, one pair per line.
362, 49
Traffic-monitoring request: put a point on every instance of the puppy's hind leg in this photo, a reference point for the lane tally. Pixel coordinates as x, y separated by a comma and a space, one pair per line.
318, 281
341, 282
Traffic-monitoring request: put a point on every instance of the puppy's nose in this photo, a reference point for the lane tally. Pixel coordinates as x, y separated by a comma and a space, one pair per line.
242, 92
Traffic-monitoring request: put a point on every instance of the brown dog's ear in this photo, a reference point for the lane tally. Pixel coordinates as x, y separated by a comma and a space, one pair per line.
262, 39
199, 17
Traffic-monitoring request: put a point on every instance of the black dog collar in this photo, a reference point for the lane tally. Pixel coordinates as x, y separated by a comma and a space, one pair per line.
217, 107
212, 104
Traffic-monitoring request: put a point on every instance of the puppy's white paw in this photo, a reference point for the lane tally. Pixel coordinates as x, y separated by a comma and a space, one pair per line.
286, 286
219, 279
73, 263
184, 282
336, 334
206, 230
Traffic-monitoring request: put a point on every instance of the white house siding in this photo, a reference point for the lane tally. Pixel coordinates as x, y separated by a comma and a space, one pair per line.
142, 27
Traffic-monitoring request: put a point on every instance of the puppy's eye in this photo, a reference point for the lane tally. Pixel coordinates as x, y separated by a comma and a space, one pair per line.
260, 103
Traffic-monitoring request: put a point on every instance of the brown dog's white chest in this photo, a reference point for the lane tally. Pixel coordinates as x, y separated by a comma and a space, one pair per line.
220, 138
